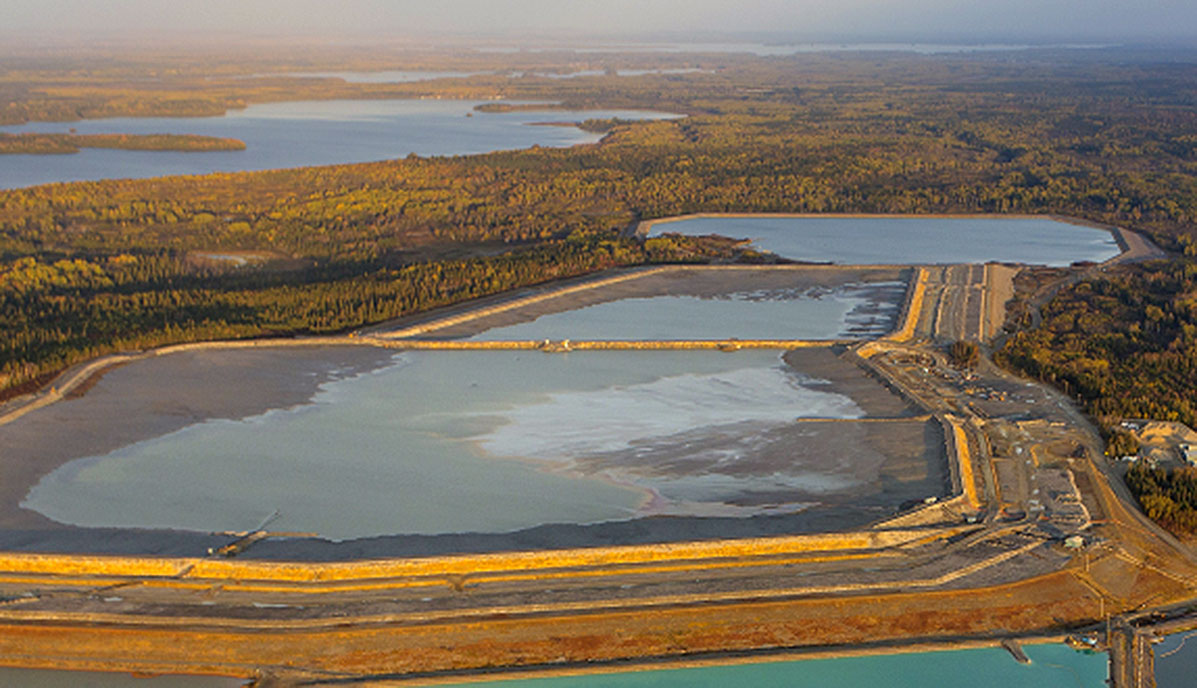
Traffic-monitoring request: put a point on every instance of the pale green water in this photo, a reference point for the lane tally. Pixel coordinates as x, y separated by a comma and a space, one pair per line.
444, 442
1052, 666
911, 240
860, 311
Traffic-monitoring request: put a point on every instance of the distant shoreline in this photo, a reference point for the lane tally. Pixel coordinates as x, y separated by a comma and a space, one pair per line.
34, 143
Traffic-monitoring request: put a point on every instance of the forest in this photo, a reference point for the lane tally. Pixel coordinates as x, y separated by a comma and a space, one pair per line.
57, 144
1167, 497
93, 267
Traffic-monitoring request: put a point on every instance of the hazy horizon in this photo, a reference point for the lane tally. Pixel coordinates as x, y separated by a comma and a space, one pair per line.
530, 21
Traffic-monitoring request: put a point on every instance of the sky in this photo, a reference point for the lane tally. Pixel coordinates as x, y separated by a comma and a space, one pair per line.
944, 20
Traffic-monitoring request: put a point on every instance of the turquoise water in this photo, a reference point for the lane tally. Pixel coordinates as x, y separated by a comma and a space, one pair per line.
907, 240
1178, 669
487, 441
851, 311
1052, 666
299, 134
39, 678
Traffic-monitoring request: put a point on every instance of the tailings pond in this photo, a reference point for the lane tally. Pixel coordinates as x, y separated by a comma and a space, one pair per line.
299, 134
478, 441
352, 442
909, 240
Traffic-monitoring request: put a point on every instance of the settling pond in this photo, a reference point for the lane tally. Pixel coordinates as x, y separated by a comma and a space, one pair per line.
906, 240
427, 442
304, 133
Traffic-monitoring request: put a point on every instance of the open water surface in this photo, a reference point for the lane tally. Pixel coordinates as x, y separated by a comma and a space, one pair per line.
398, 77
1179, 667
304, 133
382, 76
1052, 666
910, 240
488, 441
844, 312
783, 49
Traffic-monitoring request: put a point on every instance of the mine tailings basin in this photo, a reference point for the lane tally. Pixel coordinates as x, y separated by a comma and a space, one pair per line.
386, 445
400, 442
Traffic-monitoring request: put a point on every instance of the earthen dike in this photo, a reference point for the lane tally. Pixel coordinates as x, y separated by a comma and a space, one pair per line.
1037, 540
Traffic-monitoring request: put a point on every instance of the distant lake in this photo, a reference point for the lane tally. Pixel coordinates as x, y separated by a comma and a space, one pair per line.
618, 72
781, 49
910, 240
385, 76
402, 77
304, 133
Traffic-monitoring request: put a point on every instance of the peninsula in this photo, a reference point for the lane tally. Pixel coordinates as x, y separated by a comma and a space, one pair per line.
57, 144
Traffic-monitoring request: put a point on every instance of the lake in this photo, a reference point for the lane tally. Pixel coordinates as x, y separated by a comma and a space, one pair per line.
304, 133
909, 239
1052, 666
784, 49
400, 76
384, 76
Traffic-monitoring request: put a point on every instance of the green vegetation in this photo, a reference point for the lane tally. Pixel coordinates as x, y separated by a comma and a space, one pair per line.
41, 144
1168, 498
